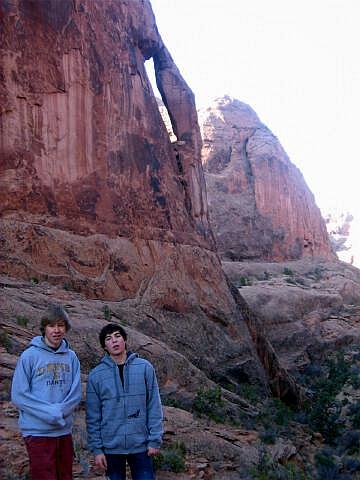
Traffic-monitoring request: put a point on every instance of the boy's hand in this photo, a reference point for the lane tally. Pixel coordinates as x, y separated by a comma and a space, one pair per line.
100, 461
152, 451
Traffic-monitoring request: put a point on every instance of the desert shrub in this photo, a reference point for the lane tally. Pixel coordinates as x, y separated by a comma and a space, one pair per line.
209, 402
318, 273
251, 393
22, 320
268, 469
5, 341
169, 401
288, 271
349, 442
230, 386
351, 465
313, 370
324, 410
34, 280
355, 377
107, 313
326, 465
171, 458
243, 282
354, 412
268, 436
290, 280
275, 412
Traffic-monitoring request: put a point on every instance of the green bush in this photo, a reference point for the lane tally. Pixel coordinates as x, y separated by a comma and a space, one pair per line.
287, 271
318, 273
326, 465
107, 313
268, 437
171, 458
355, 414
22, 321
172, 402
251, 393
268, 469
324, 409
243, 282
275, 412
267, 275
5, 341
209, 402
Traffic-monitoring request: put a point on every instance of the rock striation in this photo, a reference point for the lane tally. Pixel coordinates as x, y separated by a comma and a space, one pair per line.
260, 205
89, 186
92, 197
82, 143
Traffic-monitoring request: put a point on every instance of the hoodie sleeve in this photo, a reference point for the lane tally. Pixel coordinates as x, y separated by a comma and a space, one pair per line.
154, 409
93, 418
24, 400
72, 399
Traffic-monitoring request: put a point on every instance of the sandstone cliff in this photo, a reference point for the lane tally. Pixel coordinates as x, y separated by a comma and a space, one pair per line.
92, 197
98, 212
260, 205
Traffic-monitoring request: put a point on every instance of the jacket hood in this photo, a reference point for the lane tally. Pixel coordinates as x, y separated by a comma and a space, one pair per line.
110, 362
39, 342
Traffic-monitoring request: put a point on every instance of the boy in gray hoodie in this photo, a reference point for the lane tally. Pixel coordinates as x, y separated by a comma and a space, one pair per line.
46, 389
123, 410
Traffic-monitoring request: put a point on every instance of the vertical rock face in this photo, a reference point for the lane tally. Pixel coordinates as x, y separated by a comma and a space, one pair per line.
82, 142
82, 145
92, 196
260, 205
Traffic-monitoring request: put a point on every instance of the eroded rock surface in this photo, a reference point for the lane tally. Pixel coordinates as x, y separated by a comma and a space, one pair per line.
307, 308
260, 205
83, 148
92, 197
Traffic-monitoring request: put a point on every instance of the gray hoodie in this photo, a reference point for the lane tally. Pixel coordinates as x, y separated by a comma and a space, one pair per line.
123, 419
46, 389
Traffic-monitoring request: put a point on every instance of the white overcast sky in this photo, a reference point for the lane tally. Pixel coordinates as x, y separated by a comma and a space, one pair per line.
295, 62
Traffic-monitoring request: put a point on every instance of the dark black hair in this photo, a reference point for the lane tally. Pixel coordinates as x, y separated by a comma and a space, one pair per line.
54, 313
109, 329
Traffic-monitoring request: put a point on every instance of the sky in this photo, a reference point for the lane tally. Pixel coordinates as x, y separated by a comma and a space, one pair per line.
295, 62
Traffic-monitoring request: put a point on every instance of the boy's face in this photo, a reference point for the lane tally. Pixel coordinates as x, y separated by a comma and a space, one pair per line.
54, 333
115, 344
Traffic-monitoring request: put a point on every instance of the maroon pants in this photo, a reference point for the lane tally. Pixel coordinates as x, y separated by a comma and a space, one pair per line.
51, 458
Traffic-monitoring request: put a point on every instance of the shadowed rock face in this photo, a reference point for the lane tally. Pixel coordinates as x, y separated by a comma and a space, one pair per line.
82, 146
92, 196
260, 205
82, 142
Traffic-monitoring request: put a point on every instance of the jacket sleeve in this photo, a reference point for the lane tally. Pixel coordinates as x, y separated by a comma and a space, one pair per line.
93, 418
24, 400
154, 409
72, 399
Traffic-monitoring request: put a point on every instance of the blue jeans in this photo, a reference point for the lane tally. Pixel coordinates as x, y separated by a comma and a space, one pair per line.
140, 466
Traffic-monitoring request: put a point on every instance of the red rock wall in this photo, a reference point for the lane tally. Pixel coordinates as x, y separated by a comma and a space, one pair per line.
92, 196
83, 148
81, 137
260, 205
